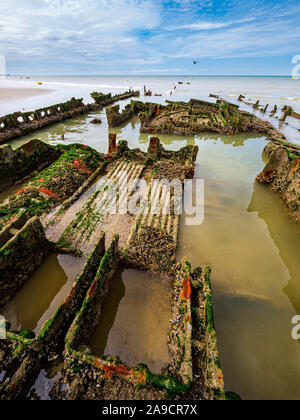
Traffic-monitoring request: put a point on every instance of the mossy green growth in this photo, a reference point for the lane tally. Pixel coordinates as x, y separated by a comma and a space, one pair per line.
169, 383
57, 182
27, 334
232, 396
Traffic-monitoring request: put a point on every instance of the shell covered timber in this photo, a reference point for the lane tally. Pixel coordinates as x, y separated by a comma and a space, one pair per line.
64, 207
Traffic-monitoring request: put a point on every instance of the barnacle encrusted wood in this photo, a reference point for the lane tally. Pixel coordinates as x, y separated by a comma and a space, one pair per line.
65, 208
20, 123
282, 173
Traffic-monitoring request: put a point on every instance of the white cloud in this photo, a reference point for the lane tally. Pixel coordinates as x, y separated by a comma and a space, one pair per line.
83, 26
127, 36
205, 26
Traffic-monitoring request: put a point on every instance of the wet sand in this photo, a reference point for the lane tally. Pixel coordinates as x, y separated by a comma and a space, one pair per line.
11, 94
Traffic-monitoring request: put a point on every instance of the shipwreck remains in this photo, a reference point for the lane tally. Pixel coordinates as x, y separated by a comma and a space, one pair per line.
108, 99
115, 118
15, 165
282, 173
193, 117
147, 92
288, 111
20, 123
65, 208
53, 185
181, 118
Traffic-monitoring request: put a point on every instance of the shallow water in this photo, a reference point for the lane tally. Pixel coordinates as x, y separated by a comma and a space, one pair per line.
8, 192
39, 298
135, 322
269, 90
253, 248
43, 384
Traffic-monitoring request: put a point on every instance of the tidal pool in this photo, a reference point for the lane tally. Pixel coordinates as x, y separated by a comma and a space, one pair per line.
253, 248
250, 242
39, 298
135, 322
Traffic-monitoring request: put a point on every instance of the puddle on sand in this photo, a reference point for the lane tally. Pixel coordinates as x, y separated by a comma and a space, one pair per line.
45, 381
39, 298
135, 322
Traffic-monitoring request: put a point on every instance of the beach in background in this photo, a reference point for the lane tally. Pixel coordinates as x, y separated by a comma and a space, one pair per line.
16, 94
20, 94
246, 236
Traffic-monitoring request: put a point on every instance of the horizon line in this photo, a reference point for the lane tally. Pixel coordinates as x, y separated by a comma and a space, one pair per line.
145, 75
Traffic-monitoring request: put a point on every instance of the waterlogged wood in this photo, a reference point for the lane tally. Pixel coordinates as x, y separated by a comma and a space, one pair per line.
65, 197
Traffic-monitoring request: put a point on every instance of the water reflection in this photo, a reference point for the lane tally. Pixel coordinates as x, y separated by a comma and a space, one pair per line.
251, 244
135, 321
39, 298
285, 234
254, 252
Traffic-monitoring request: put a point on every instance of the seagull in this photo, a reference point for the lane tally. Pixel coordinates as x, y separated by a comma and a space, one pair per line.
196, 62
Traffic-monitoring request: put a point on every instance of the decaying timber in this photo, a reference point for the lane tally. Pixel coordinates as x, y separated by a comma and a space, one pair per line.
108, 99
181, 118
20, 123
282, 173
61, 209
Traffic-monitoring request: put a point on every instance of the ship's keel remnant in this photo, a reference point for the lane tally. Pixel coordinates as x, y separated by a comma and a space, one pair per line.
20, 123
108, 99
66, 208
62, 210
195, 116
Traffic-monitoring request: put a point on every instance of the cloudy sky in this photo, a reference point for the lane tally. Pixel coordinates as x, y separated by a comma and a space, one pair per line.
110, 37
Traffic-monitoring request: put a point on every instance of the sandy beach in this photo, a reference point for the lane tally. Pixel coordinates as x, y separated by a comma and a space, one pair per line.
11, 94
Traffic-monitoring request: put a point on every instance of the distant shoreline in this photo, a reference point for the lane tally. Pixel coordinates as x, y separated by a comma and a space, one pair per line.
10, 77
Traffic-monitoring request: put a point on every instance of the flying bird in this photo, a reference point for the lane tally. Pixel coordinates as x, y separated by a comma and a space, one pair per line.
196, 62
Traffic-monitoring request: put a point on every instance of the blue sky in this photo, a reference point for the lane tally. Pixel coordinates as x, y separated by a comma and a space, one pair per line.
111, 37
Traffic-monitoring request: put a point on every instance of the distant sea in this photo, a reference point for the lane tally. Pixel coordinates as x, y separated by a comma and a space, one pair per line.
269, 90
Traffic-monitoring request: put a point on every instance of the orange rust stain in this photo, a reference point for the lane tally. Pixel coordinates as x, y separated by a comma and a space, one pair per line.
295, 167
41, 180
269, 174
80, 166
153, 143
50, 193
92, 290
110, 370
28, 146
23, 190
71, 294
186, 293
111, 151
